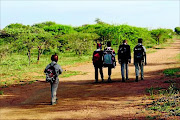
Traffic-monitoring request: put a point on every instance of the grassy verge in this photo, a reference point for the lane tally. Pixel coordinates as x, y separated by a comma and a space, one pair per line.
15, 68
168, 101
174, 72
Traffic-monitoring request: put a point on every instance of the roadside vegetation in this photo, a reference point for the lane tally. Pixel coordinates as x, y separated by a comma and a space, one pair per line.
25, 50
166, 101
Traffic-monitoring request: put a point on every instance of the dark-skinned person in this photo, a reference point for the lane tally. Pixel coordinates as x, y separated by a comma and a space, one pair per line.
98, 62
124, 57
52, 71
139, 59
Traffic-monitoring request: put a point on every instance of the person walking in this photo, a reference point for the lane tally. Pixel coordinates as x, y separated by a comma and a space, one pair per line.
98, 62
124, 57
53, 70
109, 59
139, 59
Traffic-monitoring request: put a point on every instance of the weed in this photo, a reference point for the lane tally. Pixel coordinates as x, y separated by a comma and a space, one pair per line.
172, 72
169, 103
1, 92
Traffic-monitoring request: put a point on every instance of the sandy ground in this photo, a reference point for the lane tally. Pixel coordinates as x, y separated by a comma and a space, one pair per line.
80, 98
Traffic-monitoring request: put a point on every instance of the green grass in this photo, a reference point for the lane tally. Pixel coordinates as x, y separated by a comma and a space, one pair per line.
1, 92
15, 68
172, 72
168, 103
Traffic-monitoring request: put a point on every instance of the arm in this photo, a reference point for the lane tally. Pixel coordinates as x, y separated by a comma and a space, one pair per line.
129, 59
58, 69
145, 55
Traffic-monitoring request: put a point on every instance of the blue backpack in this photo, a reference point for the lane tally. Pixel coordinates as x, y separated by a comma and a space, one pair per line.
108, 58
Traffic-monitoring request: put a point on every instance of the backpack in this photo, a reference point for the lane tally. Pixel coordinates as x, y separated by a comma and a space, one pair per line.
122, 52
139, 53
51, 74
96, 58
108, 58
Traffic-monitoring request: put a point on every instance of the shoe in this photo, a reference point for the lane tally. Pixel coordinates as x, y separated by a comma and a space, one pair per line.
109, 79
102, 80
123, 80
53, 103
136, 79
142, 78
127, 78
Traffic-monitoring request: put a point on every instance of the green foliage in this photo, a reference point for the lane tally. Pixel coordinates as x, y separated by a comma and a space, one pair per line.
59, 29
17, 41
177, 30
172, 72
161, 35
81, 43
44, 24
1, 92
168, 103
16, 25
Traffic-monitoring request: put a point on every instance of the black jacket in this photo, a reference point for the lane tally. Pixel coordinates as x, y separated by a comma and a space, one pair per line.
100, 62
125, 56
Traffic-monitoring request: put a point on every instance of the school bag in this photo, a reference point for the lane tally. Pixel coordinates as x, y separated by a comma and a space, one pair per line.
122, 52
138, 53
96, 58
108, 58
51, 74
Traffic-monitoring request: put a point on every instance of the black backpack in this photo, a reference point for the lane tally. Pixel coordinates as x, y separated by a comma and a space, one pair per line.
122, 52
51, 74
139, 53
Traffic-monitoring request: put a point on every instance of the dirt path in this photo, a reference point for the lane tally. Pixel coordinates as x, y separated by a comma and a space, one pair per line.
80, 98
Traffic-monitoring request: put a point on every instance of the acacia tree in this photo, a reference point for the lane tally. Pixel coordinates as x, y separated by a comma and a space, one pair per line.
45, 40
80, 42
177, 30
26, 41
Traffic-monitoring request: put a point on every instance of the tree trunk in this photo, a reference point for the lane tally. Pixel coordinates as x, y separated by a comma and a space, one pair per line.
29, 56
39, 54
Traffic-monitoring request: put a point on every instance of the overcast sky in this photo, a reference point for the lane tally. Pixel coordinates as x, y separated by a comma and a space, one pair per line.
141, 13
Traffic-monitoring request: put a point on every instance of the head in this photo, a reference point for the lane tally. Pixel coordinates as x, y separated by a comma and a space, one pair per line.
54, 57
124, 41
140, 40
108, 44
99, 46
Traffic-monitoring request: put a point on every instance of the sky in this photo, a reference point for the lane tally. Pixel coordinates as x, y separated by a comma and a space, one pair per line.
151, 14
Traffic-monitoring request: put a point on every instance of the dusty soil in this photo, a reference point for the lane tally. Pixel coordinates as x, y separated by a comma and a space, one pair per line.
80, 98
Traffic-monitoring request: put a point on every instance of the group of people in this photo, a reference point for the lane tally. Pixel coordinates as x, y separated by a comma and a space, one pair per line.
101, 59
106, 58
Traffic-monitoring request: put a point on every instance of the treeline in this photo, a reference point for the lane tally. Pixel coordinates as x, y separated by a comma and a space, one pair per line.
50, 36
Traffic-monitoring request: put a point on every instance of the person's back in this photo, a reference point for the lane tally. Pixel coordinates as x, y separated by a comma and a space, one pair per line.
139, 59
98, 57
124, 56
98, 62
109, 59
124, 53
54, 83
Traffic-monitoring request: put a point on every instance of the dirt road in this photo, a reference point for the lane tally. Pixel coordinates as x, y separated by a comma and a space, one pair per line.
80, 98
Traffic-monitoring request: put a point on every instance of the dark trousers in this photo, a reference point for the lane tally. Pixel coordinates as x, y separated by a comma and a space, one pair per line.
109, 71
96, 73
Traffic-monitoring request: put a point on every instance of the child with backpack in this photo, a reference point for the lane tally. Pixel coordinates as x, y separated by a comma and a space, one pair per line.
98, 62
109, 59
124, 57
139, 59
53, 70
